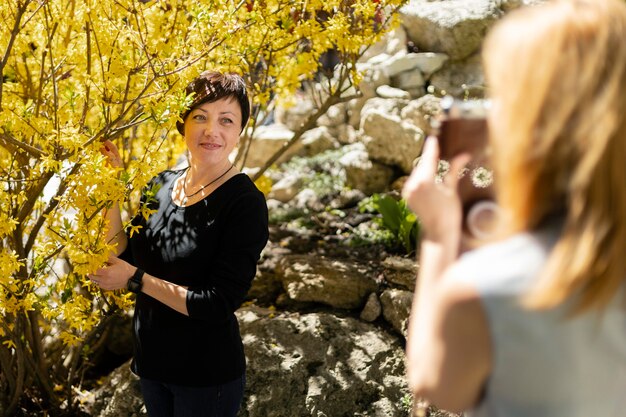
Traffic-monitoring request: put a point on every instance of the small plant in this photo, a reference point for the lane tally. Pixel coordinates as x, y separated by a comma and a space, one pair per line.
396, 217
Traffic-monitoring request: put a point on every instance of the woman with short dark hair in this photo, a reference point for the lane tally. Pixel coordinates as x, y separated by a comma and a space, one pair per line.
192, 261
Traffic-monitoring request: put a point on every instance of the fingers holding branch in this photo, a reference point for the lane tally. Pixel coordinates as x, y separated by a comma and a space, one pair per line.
112, 154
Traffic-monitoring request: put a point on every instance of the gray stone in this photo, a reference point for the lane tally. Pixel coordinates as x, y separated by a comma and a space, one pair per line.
118, 396
318, 364
373, 77
316, 140
401, 271
285, 189
293, 117
267, 141
424, 62
386, 91
372, 308
334, 282
409, 81
313, 364
460, 78
388, 106
454, 27
391, 43
397, 308
401, 62
430, 62
336, 115
421, 111
390, 140
362, 173
345, 134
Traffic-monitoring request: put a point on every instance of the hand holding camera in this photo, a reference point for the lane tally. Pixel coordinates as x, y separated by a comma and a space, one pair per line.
463, 130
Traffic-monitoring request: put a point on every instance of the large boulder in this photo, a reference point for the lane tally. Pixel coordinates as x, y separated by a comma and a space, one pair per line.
119, 395
390, 140
318, 364
298, 365
267, 141
334, 282
454, 27
362, 173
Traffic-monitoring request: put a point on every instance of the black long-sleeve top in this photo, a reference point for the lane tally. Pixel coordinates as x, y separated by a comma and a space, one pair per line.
212, 247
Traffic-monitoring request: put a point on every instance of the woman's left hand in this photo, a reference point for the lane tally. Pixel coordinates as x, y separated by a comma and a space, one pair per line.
114, 275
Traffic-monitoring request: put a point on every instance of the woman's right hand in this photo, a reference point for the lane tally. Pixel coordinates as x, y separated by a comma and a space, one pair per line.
436, 204
109, 150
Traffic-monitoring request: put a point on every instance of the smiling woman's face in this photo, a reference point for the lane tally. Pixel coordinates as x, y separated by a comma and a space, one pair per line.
212, 131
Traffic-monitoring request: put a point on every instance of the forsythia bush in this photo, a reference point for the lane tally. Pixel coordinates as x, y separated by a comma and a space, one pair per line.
74, 73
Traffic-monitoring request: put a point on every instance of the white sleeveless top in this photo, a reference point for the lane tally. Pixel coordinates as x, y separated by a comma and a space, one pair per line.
544, 365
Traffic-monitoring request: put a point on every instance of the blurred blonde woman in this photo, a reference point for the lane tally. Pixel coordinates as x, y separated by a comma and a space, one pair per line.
535, 323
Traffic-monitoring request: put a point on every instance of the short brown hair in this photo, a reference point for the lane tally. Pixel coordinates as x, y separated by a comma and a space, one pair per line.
211, 86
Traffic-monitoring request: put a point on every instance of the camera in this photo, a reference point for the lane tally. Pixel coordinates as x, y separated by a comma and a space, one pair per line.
463, 129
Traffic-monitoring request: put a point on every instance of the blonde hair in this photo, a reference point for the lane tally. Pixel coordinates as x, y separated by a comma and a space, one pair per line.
557, 73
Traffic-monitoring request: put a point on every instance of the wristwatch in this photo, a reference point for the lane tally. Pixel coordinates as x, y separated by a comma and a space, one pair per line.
135, 283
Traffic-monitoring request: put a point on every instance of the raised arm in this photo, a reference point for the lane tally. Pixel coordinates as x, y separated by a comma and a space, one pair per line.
115, 233
448, 345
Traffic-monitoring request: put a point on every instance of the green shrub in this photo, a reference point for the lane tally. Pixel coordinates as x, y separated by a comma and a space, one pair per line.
395, 217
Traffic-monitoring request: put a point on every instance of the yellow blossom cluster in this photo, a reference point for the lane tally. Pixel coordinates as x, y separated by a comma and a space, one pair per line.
74, 73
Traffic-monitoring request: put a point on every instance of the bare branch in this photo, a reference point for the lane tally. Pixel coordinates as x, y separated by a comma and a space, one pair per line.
10, 140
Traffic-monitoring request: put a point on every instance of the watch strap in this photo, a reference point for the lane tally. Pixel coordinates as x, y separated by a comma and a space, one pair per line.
135, 283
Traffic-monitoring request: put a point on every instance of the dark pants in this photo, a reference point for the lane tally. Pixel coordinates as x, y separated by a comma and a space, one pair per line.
168, 400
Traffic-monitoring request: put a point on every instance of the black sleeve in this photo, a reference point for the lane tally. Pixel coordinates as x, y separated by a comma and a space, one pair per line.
243, 238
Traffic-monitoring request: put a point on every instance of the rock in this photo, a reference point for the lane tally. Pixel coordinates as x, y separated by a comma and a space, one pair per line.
372, 308
430, 62
386, 91
345, 134
391, 43
293, 117
297, 365
412, 82
336, 115
265, 287
388, 106
118, 396
424, 62
362, 173
454, 27
318, 364
285, 189
401, 271
421, 112
267, 141
396, 308
460, 78
390, 140
334, 282
373, 77
316, 141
